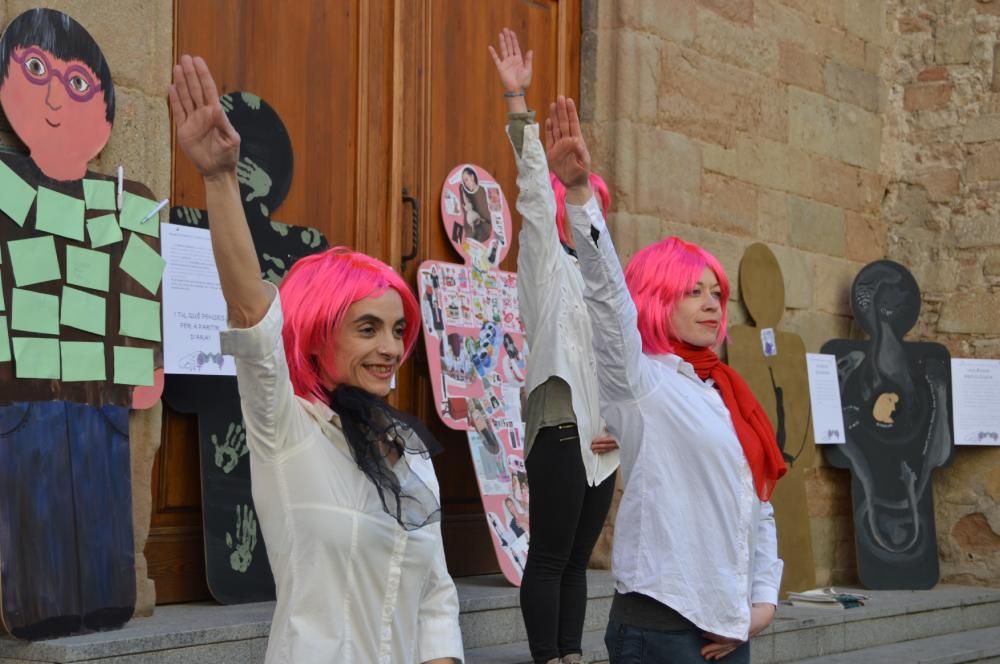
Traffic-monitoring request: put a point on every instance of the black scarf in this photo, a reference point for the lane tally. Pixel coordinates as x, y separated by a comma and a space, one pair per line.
373, 428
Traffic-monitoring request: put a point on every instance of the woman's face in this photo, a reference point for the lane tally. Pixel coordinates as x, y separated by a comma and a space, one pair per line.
368, 348
698, 314
469, 180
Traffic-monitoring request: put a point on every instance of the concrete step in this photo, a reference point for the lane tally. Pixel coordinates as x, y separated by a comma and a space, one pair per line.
494, 633
491, 608
594, 651
978, 645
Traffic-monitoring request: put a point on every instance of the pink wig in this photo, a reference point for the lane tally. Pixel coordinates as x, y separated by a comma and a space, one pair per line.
658, 276
600, 188
315, 295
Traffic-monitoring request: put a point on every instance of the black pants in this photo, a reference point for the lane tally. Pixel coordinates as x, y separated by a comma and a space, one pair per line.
566, 519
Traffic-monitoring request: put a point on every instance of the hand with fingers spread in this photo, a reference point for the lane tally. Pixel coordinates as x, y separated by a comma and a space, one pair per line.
203, 130
566, 150
514, 69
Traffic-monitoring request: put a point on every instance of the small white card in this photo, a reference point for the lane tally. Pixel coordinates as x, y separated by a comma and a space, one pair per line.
767, 342
975, 393
824, 396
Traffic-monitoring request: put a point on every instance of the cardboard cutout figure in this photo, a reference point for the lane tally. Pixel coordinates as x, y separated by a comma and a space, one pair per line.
236, 564
79, 337
896, 399
774, 366
476, 353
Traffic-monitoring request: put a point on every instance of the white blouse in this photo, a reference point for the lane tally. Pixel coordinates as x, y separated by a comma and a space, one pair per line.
691, 532
550, 297
353, 587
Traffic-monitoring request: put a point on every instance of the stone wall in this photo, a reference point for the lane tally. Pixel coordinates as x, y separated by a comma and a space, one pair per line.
941, 151
136, 37
838, 132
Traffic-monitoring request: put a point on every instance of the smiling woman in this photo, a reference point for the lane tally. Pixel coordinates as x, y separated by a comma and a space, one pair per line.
342, 482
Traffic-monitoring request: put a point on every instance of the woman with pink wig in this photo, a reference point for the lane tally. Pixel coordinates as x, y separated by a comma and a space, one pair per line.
695, 554
571, 463
342, 482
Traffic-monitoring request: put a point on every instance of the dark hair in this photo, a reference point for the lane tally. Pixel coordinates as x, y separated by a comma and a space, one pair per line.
467, 169
63, 37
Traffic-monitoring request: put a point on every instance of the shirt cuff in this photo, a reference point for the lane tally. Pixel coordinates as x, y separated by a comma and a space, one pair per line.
260, 340
587, 215
762, 594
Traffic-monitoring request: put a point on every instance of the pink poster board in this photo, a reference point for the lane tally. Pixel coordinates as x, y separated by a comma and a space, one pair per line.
476, 353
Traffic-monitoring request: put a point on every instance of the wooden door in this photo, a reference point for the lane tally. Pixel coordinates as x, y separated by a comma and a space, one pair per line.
369, 91
454, 112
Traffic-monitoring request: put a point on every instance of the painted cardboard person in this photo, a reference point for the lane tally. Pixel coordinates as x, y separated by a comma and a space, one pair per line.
476, 353
237, 568
896, 401
774, 365
79, 338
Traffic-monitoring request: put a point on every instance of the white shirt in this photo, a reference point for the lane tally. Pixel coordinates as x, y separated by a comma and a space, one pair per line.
691, 532
550, 295
353, 587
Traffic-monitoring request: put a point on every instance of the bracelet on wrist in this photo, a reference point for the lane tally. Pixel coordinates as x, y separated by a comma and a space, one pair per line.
519, 93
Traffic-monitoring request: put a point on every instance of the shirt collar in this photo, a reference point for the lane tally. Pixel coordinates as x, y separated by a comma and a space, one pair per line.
320, 411
678, 364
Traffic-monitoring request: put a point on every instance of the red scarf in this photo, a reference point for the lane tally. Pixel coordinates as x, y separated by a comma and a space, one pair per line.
752, 425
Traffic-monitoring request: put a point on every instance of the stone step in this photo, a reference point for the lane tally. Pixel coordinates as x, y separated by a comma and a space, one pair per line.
594, 651
491, 618
491, 608
979, 645
889, 617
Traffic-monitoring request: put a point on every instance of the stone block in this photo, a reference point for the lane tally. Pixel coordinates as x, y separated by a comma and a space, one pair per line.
668, 174
933, 74
673, 20
866, 237
815, 227
598, 85
972, 312
712, 101
798, 66
774, 165
639, 62
834, 277
739, 11
941, 185
852, 85
822, 11
816, 328
953, 44
728, 205
865, 19
983, 163
739, 45
812, 121
859, 137
981, 129
976, 232
772, 216
927, 96
632, 232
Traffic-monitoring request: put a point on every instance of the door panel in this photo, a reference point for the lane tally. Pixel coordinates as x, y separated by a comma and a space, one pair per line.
376, 95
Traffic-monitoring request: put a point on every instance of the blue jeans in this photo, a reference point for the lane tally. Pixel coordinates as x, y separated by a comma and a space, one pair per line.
632, 645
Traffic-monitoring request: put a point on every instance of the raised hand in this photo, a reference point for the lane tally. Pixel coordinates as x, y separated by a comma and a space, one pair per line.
202, 128
565, 148
514, 70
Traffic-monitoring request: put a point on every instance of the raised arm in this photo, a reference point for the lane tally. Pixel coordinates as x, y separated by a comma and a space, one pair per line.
213, 146
538, 242
621, 368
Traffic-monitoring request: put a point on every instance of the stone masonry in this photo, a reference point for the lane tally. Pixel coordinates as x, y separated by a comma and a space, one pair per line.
138, 44
838, 132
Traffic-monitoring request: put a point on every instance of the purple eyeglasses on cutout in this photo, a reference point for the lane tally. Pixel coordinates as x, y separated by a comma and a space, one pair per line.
77, 81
